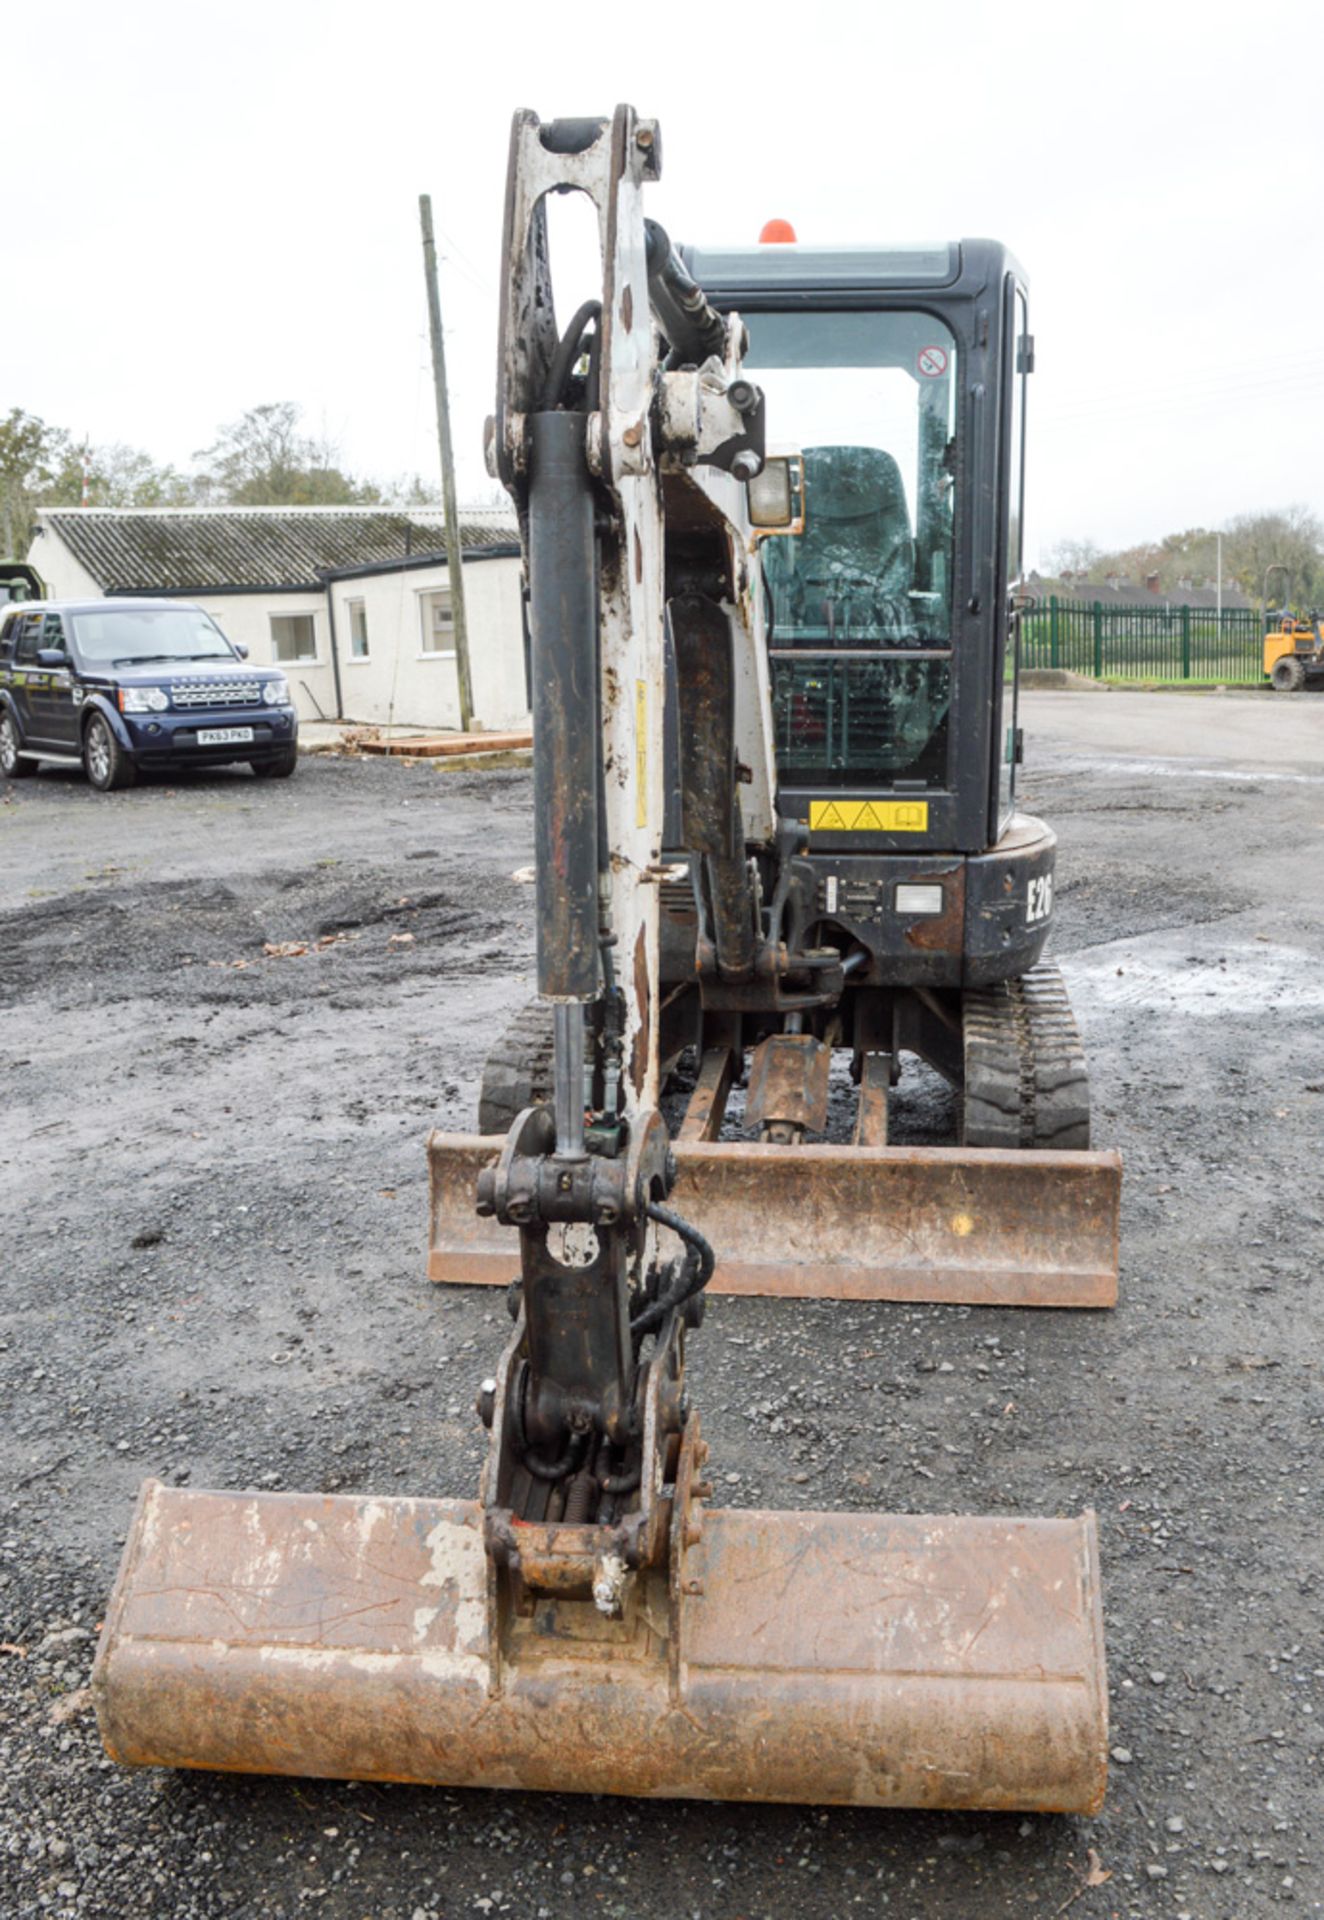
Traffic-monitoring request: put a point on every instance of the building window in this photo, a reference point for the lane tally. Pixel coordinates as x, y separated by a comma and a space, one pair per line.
293, 636
358, 630
438, 624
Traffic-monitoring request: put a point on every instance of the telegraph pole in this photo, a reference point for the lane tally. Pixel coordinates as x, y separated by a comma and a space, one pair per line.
454, 564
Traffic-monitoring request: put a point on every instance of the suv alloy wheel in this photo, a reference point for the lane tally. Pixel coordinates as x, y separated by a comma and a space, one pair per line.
104, 760
12, 766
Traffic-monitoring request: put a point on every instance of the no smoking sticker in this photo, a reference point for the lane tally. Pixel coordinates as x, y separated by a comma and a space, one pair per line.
932, 362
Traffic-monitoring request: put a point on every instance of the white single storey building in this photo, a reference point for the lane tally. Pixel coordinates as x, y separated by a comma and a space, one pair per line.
353, 602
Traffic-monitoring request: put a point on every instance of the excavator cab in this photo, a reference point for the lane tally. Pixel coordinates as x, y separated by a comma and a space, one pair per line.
591, 1621
19, 581
891, 634
891, 642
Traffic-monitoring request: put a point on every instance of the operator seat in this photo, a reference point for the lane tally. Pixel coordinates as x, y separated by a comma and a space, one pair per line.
844, 582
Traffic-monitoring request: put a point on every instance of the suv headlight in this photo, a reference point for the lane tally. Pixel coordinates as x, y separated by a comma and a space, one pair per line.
143, 699
276, 693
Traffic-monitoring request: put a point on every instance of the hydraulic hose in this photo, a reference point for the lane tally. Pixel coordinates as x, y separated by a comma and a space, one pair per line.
551, 1470
569, 350
698, 1271
693, 328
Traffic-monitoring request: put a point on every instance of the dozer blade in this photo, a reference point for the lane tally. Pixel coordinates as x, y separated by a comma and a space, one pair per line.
982, 1226
836, 1658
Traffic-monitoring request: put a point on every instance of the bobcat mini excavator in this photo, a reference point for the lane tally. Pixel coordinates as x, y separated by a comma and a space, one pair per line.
844, 876
591, 1622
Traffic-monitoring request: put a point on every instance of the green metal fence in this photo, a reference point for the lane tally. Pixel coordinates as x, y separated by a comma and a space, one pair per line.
1145, 643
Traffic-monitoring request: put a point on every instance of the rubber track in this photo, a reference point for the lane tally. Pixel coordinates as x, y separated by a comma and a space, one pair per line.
518, 1072
1026, 1082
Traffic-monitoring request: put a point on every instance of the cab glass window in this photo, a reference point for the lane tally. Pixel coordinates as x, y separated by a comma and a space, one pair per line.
52, 632
1017, 371
860, 605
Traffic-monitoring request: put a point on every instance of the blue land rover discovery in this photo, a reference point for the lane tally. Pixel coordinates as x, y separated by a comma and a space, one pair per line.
127, 685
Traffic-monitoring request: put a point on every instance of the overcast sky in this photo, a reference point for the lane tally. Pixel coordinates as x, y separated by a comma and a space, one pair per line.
212, 206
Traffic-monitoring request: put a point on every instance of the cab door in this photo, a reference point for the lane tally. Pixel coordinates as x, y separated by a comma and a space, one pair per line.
1018, 363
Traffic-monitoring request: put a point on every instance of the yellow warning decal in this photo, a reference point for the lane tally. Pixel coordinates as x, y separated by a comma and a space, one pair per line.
868, 816
641, 753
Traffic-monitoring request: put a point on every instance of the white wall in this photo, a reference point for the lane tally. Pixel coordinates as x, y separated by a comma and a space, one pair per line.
402, 685
65, 577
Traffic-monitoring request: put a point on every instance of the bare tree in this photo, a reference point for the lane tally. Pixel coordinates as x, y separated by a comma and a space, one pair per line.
261, 459
264, 460
1076, 559
116, 476
1292, 538
31, 456
411, 490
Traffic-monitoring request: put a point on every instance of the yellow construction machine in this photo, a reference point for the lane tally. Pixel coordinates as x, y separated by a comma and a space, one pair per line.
774, 807
1294, 653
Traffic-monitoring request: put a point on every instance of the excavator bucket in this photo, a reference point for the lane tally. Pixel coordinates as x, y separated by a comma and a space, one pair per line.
837, 1658
980, 1226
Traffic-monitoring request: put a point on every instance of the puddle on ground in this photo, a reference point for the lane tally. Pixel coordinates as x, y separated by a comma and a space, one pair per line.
1192, 770
1247, 978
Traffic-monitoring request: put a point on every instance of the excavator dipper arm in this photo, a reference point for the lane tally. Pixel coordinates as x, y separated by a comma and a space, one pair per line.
577, 438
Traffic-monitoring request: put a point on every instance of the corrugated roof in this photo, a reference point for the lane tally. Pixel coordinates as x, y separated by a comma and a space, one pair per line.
188, 550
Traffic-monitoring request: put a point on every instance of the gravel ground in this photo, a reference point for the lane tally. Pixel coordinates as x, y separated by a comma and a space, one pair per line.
214, 1211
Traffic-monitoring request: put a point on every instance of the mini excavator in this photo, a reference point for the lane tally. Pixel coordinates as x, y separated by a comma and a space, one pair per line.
842, 873
770, 820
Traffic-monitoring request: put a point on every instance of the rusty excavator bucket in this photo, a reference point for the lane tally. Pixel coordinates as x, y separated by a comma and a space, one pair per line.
591, 1623
980, 1226
958, 1662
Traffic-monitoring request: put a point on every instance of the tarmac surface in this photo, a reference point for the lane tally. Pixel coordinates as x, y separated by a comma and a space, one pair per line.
1278, 733
212, 1193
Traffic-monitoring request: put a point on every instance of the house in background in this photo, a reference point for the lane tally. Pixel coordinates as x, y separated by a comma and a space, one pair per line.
1115, 590
353, 602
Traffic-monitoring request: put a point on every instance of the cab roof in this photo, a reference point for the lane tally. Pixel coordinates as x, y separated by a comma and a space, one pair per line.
760, 273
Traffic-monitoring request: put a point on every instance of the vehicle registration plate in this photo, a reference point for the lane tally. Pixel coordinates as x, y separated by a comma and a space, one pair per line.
225, 736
